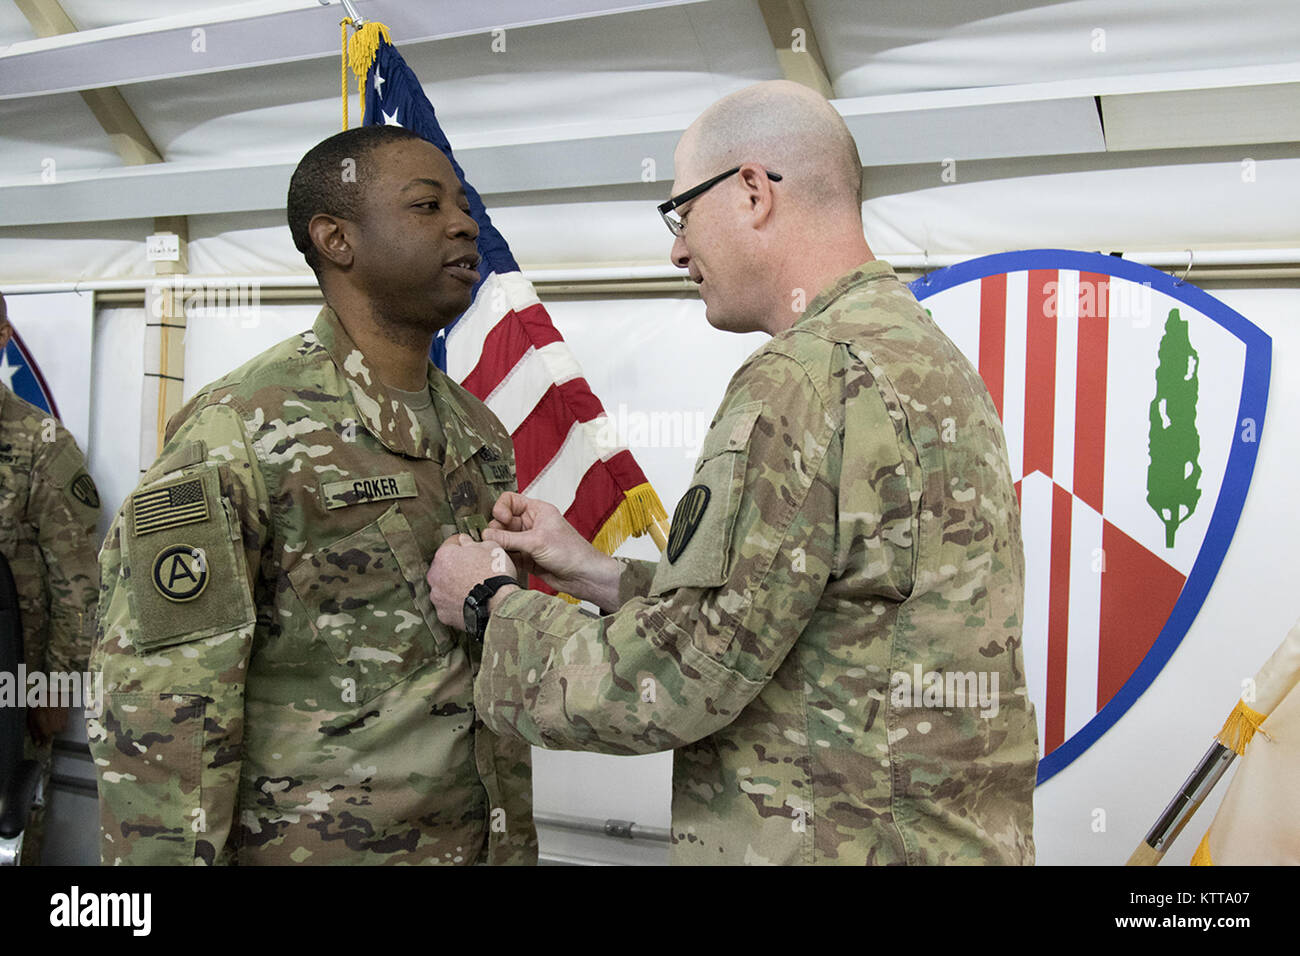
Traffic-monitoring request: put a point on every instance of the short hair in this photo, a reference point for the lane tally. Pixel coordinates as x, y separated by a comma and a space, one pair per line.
788, 128
319, 185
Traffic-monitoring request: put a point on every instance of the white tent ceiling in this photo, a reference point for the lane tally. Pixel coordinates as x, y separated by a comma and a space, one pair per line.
1053, 112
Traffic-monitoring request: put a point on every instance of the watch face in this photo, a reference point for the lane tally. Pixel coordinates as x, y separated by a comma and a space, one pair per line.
471, 616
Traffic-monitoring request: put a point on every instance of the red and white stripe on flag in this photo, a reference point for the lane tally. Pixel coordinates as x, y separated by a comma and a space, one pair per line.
506, 351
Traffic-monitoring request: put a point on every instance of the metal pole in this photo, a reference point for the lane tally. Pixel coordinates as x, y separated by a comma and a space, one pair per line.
1189, 797
357, 19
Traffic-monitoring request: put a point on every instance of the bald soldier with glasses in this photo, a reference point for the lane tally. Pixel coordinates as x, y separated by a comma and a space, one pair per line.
851, 522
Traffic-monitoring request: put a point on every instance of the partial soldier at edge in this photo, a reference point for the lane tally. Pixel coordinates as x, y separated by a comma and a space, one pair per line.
49, 509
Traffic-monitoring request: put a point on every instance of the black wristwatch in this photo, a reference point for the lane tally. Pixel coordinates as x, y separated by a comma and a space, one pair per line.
476, 605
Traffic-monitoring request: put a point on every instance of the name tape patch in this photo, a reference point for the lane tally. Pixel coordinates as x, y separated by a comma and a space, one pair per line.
340, 494
495, 469
171, 506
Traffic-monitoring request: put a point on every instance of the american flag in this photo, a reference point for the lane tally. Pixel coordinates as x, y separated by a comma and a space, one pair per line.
506, 351
1067, 345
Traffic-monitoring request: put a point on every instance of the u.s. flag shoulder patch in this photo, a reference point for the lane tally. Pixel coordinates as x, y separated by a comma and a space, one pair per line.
179, 502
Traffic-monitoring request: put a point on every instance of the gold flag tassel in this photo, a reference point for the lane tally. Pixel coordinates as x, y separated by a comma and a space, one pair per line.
360, 56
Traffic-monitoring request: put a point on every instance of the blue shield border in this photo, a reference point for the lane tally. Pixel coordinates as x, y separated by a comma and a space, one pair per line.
1236, 477
30, 386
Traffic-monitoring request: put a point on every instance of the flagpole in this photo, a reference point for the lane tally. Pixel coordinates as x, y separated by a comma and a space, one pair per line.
1274, 681
357, 19
1189, 798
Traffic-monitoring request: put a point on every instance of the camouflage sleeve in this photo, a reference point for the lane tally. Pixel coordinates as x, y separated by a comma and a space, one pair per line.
636, 578
65, 506
179, 571
512, 835
750, 551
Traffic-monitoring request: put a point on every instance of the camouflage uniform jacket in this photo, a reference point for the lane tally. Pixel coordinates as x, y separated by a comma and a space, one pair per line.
851, 530
278, 688
48, 511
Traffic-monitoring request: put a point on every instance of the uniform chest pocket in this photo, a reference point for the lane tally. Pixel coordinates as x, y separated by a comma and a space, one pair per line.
367, 600
699, 540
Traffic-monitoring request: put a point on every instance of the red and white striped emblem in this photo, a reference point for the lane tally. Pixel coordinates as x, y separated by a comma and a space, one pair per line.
1070, 359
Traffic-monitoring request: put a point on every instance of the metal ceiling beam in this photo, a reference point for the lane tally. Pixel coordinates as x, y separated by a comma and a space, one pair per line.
229, 39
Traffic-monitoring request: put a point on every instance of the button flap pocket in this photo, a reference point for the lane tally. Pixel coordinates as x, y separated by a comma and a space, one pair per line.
368, 602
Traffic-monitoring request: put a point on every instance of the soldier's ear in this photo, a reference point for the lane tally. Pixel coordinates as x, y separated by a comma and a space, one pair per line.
329, 236
5, 335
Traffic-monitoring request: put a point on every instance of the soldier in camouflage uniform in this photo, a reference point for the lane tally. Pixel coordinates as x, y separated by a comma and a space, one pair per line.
844, 576
278, 689
49, 508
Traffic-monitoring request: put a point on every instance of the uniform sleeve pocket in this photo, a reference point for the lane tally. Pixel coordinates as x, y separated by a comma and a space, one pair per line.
150, 760
699, 540
368, 601
186, 578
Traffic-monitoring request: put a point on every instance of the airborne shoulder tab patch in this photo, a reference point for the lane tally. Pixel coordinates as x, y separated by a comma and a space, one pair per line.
687, 517
178, 502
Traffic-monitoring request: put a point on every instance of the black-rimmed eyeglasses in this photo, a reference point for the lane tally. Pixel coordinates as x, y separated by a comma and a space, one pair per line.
675, 225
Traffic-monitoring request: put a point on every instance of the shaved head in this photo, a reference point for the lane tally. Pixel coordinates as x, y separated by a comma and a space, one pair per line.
787, 128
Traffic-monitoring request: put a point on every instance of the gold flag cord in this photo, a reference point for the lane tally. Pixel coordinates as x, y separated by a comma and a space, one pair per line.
358, 54
343, 66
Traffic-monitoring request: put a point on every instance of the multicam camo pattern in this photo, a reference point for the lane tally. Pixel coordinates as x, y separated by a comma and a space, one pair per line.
49, 508
48, 511
861, 520
305, 705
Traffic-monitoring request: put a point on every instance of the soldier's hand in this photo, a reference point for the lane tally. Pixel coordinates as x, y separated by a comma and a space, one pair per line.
458, 565
45, 723
560, 556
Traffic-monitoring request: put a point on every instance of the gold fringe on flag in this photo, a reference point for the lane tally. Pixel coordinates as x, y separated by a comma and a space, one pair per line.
1202, 855
637, 513
1240, 727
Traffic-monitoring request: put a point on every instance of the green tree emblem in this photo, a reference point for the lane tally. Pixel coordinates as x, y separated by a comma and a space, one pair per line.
1175, 445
